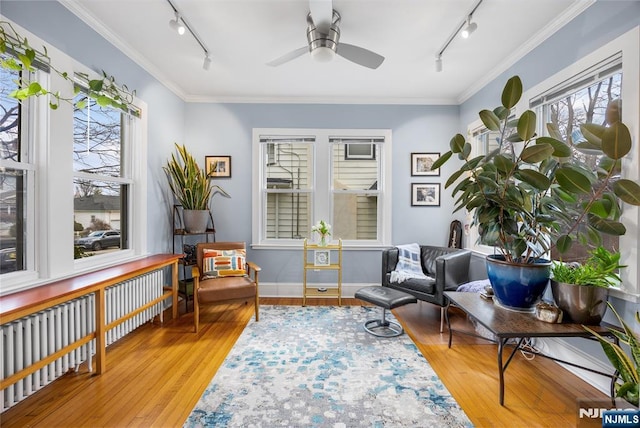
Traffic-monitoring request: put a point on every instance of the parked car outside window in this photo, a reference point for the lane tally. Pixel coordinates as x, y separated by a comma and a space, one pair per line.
100, 239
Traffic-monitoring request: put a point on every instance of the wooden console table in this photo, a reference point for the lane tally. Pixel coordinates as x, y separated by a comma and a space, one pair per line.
506, 324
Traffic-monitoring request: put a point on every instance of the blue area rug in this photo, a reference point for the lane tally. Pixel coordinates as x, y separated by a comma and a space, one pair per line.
316, 366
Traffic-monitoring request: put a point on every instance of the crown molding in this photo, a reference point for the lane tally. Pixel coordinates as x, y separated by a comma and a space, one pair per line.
76, 7
324, 100
563, 19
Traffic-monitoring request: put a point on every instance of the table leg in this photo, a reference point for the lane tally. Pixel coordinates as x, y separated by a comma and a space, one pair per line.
501, 343
446, 315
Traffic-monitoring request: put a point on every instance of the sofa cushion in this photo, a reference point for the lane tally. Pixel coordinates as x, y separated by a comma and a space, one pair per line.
425, 285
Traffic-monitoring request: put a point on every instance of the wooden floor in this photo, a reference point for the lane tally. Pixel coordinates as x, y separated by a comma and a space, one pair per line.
156, 375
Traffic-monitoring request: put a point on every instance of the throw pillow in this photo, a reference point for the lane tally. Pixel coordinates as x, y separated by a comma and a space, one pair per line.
223, 263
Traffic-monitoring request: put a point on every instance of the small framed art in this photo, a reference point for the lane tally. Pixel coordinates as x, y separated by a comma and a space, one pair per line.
421, 164
218, 166
425, 194
321, 258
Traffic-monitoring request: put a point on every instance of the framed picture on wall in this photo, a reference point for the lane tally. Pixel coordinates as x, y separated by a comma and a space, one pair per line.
218, 166
425, 194
421, 164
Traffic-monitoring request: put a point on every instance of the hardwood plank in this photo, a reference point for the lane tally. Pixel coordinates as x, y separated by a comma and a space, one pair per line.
157, 374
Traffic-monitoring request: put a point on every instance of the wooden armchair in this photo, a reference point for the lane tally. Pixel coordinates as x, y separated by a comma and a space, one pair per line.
223, 275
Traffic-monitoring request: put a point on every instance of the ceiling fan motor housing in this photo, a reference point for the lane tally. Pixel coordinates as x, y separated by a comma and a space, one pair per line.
318, 39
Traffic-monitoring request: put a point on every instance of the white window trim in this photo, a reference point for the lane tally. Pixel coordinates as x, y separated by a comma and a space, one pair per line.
629, 45
322, 185
52, 225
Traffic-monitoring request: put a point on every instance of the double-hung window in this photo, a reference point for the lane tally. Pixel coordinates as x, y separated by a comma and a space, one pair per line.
302, 176
17, 175
102, 175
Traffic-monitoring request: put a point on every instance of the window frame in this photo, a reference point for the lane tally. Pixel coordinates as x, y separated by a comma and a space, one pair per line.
321, 189
51, 143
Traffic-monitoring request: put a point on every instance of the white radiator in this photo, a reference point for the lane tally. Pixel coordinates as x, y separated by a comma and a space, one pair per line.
30, 339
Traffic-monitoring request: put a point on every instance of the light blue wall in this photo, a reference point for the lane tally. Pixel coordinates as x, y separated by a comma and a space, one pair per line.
226, 129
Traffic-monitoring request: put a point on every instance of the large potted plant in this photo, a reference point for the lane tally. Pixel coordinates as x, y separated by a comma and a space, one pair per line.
528, 195
191, 188
581, 289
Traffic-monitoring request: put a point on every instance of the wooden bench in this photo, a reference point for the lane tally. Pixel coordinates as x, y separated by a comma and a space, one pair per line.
23, 303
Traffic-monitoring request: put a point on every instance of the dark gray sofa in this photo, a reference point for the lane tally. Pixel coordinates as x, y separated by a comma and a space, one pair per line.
447, 267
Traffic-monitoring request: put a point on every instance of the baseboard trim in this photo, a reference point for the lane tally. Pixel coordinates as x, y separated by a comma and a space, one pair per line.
295, 289
563, 350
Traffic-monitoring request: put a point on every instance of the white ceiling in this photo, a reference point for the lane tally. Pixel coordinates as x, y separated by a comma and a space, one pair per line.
243, 35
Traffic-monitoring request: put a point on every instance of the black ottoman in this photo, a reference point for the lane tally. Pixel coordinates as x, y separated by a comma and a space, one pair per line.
386, 298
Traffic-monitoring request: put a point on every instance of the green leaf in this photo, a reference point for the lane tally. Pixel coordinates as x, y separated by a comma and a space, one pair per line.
616, 141
512, 92
593, 133
466, 150
457, 143
503, 163
627, 190
490, 120
527, 125
34, 88
572, 181
103, 101
564, 244
600, 208
554, 132
537, 153
96, 85
603, 225
454, 177
560, 149
534, 178
501, 112
441, 160
53, 106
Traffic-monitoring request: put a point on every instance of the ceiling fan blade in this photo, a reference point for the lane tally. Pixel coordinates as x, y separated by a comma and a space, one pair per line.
322, 14
359, 55
289, 56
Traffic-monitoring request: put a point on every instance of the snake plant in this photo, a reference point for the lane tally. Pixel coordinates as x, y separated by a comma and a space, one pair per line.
188, 182
627, 366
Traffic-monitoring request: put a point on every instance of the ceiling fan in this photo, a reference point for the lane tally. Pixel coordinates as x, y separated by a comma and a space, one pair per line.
323, 37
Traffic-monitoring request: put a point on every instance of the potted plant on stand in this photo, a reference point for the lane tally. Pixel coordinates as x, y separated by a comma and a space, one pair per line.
524, 191
191, 188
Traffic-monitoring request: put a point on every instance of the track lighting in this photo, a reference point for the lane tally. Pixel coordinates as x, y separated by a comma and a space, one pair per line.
439, 63
469, 28
207, 62
181, 25
465, 28
176, 25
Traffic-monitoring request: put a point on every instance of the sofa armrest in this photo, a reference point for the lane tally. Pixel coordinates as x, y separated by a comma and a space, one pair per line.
452, 269
389, 263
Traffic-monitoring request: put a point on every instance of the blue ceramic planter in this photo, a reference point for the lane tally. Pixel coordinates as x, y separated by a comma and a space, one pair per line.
518, 286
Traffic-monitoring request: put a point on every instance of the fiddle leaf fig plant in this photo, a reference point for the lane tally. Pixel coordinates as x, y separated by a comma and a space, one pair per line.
529, 194
16, 54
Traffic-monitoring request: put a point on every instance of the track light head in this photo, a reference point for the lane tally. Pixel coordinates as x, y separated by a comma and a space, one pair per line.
207, 62
177, 25
469, 28
439, 63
